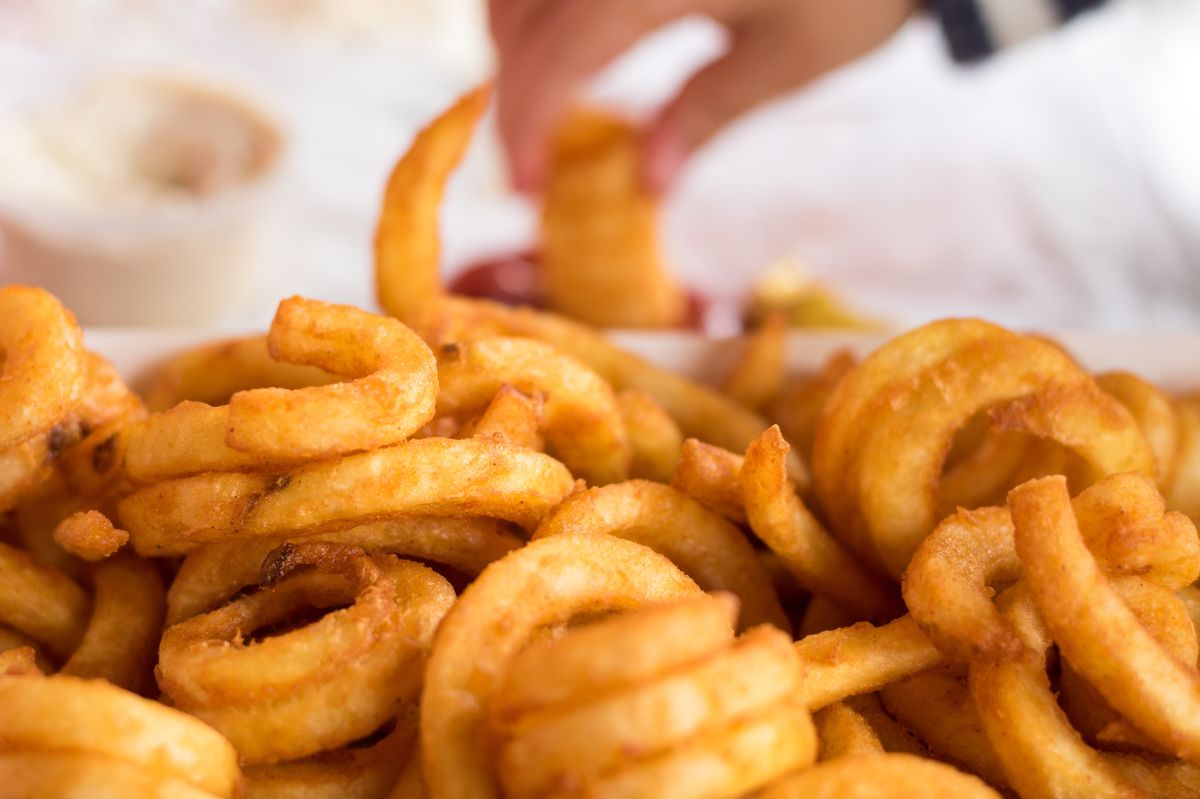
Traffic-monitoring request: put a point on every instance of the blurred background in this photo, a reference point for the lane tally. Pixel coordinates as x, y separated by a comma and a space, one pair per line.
1055, 186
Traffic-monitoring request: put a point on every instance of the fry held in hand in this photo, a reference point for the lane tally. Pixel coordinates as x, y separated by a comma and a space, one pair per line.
601, 256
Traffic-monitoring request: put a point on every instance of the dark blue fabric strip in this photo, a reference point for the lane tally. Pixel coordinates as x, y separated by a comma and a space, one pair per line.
965, 32
1071, 8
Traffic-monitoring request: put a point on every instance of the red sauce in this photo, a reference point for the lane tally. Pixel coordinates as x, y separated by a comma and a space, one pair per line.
516, 280
510, 279
696, 312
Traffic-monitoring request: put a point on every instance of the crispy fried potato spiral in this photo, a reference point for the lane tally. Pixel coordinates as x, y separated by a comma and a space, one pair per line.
716, 718
318, 686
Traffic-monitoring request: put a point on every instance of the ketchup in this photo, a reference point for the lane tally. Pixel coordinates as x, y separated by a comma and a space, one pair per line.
516, 280
696, 314
511, 279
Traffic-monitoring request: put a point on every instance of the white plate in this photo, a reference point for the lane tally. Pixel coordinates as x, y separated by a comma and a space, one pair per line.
1169, 360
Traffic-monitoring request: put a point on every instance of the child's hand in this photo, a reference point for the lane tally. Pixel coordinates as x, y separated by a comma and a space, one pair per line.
547, 47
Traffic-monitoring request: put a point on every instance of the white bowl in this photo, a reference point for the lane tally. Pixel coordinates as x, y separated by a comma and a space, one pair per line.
169, 218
